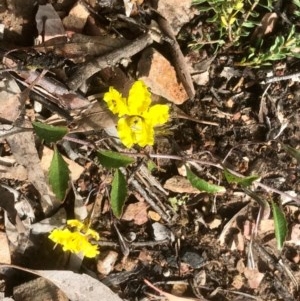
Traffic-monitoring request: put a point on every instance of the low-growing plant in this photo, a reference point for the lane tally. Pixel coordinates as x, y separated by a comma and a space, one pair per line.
280, 49
232, 19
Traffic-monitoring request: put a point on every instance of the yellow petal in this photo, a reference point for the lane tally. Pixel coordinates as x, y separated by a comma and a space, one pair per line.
74, 223
60, 236
125, 133
224, 21
115, 102
157, 115
142, 132
134, 130
92, 234
89, 250
139, 98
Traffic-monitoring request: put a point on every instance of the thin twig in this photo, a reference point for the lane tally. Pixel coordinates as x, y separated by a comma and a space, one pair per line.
109, 60
179, 61
191, 160
273, 79
137, 244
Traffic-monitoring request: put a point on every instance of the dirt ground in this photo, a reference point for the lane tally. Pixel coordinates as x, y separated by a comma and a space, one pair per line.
224, 116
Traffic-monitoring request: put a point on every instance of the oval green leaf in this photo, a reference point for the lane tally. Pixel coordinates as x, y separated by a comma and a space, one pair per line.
280, 225
118, 193
59, 175
111, 159
48, 132
201, 184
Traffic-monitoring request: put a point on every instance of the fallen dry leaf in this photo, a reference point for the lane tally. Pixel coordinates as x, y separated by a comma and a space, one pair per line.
136, 212
76, 287
17, 172
254, 277
180, 184
9, 99
75, 169
4, 250
160, 76
48, 23
267, 25
295, 235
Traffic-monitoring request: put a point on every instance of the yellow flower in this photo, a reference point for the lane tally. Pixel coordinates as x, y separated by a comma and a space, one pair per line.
77, 240
137, 117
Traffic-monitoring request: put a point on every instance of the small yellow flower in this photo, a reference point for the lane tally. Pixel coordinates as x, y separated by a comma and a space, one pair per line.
137, 117
76, 241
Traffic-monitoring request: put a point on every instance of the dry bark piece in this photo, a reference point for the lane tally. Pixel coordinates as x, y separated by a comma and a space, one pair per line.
160, 76
57, 92
79, 46
23, 148
77, 18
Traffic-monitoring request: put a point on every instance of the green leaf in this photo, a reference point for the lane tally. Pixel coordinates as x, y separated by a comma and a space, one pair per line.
292, 151
243, 181
111, 159
249, 24
280, 225
59, 175
118, 193
196, 2
201, 184
151, 166
49, 133
292, 32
